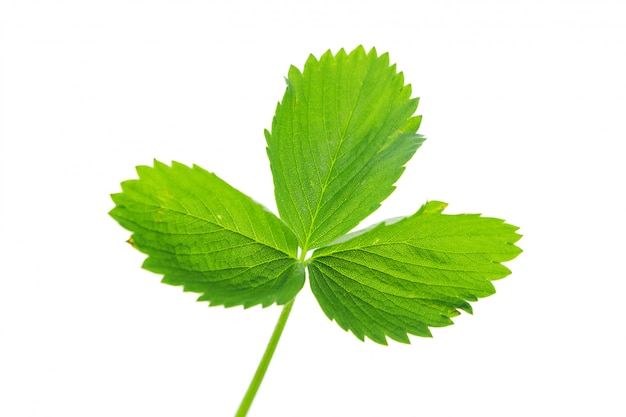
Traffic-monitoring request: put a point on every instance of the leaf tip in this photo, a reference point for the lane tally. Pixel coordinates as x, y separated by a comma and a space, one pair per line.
432, 207
467, 307
132, 243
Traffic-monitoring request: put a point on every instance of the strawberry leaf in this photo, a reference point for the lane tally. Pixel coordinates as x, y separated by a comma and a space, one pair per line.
201, 233
404, 277
339, 141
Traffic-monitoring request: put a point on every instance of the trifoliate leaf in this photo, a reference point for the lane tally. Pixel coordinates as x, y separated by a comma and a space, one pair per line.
339, 141
201, 233
402, 278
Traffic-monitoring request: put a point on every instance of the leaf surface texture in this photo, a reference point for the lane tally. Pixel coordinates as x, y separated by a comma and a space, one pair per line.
339, 141
402, 278
203, 234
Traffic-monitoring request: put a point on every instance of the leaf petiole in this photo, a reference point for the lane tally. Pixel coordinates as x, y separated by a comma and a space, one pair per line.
265, 361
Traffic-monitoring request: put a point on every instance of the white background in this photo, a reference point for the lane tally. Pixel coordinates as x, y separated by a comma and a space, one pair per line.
524, 112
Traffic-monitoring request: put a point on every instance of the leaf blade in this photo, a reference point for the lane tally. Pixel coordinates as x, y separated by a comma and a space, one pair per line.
201, 233
402, 278
340, 139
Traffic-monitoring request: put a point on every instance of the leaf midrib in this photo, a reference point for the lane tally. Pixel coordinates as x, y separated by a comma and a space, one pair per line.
342, 139
472, 288
254, 239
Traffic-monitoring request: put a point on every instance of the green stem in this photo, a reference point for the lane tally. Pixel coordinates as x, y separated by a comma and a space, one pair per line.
265, 361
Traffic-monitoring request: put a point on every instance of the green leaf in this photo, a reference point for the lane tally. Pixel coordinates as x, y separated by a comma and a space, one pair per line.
340, 139
201, 233
402, 278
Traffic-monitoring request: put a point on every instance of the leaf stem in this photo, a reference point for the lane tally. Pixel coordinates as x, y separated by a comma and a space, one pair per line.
265, 361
